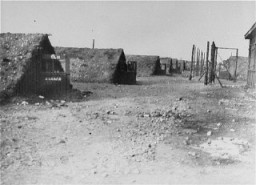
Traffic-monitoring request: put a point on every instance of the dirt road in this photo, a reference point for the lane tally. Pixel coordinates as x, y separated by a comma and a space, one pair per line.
163, 130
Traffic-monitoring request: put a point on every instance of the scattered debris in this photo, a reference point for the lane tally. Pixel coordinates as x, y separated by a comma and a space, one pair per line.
218, 124
180, 98
24, 103
225, 148
209, 133
189, 131
192, 154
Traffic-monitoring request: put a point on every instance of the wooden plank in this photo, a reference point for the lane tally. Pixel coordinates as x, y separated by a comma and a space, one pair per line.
192, 61
206, 60
212, 63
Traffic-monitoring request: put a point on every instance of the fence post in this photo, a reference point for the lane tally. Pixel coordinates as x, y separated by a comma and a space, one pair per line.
192, 61
215, 63
177, 66
236, 64
206, 60
181, 66
201, 63
197, 62
170, 68
212, 62
219, 69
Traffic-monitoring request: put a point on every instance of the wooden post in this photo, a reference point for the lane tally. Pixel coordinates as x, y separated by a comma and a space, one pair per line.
219, 69
202, 63
170, 68
215, 63
236, 64
177, 66
93, 43
197, 62
181, 66
206, 60
192, 61
212, 62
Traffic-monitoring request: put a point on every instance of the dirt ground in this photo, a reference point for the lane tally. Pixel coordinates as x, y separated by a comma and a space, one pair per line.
165, 130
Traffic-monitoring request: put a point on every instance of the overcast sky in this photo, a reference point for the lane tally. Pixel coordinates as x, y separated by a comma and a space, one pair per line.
153, 28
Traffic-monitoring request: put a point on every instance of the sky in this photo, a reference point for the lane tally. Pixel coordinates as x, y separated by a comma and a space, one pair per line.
166, 28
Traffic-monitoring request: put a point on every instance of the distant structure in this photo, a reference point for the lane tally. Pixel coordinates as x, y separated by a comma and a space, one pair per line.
251, 77
173, 65
147, 65
166, 61
98, 65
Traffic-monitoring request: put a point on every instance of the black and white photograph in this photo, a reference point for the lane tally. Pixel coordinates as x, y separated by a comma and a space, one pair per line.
127, 92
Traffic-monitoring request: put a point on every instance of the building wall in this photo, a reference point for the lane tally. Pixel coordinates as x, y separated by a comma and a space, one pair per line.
33, 81
251, 78
252, 50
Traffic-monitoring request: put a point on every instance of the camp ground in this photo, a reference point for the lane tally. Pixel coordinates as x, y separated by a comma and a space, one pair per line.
144, 92
29, 66
99, 65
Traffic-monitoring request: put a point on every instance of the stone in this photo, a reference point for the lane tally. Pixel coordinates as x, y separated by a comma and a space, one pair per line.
47, 103
209, 141
24, 103
146, 115
209, 133
180, 98
62, 141
192, 154
109, 122
94, 171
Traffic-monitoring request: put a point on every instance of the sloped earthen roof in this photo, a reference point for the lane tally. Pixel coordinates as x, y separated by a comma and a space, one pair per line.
16, 51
